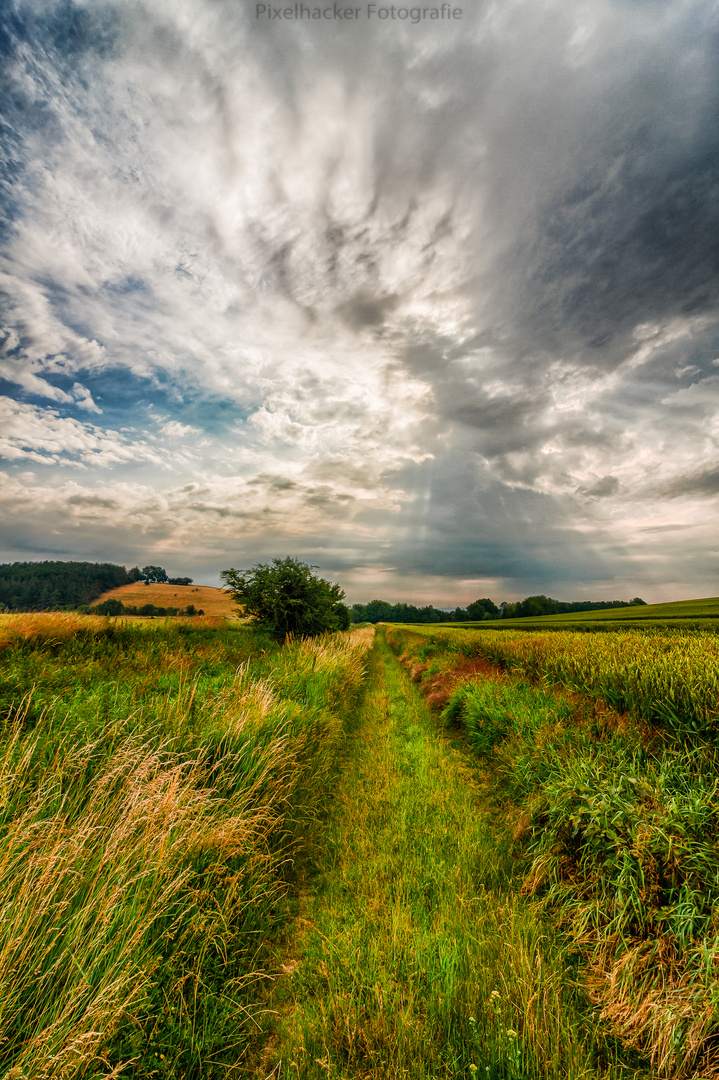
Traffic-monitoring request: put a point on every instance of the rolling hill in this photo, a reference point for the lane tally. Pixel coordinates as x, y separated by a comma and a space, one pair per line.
212, 601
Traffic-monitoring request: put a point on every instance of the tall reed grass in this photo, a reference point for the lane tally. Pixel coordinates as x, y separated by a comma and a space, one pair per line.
156, 787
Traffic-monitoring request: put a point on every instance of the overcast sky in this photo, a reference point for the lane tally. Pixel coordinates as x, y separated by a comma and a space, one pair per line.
432, 305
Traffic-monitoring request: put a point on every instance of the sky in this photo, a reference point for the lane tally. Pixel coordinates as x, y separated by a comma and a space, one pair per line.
431, 304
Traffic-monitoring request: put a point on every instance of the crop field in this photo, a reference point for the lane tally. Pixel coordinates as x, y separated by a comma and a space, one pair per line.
707, 608
668, 677
604, 750
681, 614
157, 783
211, 601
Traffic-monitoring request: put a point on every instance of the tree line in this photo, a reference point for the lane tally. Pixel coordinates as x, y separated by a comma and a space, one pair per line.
113, 606
382, 611
56, 586
285, 596
545, 605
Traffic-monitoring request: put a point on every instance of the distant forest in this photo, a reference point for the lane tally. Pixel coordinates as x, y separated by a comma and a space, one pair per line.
57, 586
382, 611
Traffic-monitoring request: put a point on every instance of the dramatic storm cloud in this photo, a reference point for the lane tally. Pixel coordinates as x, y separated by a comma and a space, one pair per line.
432, 304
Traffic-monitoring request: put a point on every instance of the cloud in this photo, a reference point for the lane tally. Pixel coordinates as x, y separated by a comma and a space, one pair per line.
601, 488
43, 436
83, 397
454, 288
173, 429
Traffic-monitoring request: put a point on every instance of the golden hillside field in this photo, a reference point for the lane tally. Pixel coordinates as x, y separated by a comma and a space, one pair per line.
212, 601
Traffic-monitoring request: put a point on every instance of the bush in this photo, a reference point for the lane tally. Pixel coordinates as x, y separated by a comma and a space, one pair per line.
286, 597
109, 607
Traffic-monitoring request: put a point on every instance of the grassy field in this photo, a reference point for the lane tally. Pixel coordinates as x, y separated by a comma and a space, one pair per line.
161, 785
222, 858
211, 601
701, 614
676, 609
46, 627
604, 749
418, 956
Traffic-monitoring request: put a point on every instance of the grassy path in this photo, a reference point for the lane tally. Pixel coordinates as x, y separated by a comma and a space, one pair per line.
415, 959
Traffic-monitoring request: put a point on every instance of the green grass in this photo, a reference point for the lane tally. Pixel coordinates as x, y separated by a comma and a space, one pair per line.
160, 787
617, 818
169, 836
419, 959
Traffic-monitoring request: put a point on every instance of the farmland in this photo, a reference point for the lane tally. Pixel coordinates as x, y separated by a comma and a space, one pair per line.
222, 857
683, 614
211, 601
670, 677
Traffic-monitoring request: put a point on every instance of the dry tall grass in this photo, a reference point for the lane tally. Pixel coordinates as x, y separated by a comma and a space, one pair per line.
46, 626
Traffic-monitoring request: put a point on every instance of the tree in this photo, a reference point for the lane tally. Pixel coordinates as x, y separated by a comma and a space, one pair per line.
286, 597
536, 605
382, 611
109, 607
342, 615
153, 573
377, 611
482, 609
